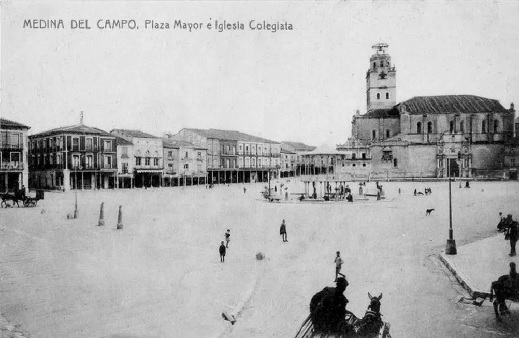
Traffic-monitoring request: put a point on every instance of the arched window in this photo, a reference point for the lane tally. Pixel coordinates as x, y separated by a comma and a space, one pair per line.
429, 127
462, 127
373, 134
378, 96
418, 128
484, 127
374, 65
496, 125
387, 95
381, 63
388, 133
452, 126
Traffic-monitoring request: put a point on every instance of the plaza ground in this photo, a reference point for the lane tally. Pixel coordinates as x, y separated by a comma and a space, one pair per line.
161, 275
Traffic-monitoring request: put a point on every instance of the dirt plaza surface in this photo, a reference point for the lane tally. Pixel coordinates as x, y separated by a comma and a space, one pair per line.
161, 275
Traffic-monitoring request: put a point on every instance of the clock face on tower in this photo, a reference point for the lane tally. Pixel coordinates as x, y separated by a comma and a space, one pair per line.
382, 75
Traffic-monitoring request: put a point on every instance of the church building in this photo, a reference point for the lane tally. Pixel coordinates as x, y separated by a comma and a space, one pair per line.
430, 136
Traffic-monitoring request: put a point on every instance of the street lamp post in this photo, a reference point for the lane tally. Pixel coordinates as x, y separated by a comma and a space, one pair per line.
451, 243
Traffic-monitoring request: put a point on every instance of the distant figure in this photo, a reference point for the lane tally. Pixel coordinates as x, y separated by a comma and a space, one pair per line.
338, 265
349, 198
399, 190
227, 238
222, 252
360, 189
501, 224
467, 185
415, 191
512, 233
283, 231
244, 190
275, 188
302, 197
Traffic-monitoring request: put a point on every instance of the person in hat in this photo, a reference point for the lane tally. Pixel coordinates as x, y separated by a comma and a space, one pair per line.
227, 238
328, 309
222, 252
283, 231
338, 265
511, 233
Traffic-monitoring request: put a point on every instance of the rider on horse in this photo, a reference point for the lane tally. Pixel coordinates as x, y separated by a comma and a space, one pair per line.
507, 286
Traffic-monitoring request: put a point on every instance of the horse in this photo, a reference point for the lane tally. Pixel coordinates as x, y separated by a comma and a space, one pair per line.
504, 287
6, 197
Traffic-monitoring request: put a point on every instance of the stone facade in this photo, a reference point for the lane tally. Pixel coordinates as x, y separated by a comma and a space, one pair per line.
14, 165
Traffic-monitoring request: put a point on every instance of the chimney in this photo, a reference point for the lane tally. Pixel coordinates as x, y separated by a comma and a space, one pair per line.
81, 118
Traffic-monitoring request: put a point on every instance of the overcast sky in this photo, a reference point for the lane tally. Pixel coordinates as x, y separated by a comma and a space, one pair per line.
301, 85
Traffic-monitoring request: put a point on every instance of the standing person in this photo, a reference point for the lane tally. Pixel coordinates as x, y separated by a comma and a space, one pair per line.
501, 224
512, 233
338, 265
222, 252
227, 238
283, 231
244, 190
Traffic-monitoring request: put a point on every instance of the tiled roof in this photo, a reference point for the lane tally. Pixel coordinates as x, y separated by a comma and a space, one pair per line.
4, 123
228, 135
296, 146
134, 133
381, 113
76, 129
122, 141
452, 104
177, 143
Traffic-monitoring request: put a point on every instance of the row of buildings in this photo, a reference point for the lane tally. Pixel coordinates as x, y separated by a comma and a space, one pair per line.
463, 136
84, 157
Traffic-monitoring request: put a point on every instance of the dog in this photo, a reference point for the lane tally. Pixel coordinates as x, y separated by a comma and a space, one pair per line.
428, 212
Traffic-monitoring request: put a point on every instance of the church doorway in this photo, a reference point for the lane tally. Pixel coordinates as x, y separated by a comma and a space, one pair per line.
454, 169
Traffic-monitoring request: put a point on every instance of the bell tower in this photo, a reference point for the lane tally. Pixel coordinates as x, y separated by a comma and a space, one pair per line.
380, 79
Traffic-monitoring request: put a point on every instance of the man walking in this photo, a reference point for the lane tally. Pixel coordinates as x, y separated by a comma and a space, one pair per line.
512, 233
227, 238
283, 231
222, 252
338, 265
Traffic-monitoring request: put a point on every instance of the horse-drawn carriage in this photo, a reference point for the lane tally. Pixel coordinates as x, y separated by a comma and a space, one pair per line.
506, 287
369, 326
17, 197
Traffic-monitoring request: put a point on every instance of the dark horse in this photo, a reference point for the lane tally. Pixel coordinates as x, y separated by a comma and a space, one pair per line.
505, 287
369, 326
6, 197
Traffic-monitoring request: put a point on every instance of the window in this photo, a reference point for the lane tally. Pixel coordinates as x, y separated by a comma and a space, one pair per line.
108, 145
89, 161
240, 148
418, 128
186, 166
374, 65
512, 161
108, 161
378, 96
170, 155
89, 144
354, 156
147, 161
259, 161
395, 162
388, 133
381, 63
451, 126
363, 155
15, 158
75, 144
199, 154
240, 162
155, 161
387, 155
58, 159
187, 154
496, 125
15, 140
373, 134
429, 127
199, 167
387, 95
253, 162
138, 161
462, 127
75, 161
125, 167
484, 127
259, 150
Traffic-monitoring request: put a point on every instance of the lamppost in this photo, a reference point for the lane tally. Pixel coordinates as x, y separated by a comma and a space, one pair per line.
451, 243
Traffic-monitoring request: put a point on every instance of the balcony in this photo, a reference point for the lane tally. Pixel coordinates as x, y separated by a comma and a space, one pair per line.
11, 166
153, 167
10, 146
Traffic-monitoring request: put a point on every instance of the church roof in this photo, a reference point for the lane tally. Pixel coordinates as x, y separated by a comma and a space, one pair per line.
451, 104
381, 113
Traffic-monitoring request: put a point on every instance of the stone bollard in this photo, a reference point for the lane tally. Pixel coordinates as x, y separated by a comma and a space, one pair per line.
120, 219
102, 215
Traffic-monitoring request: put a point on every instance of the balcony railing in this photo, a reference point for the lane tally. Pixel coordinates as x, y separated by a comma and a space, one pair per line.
9, 146
11, 166
147, 167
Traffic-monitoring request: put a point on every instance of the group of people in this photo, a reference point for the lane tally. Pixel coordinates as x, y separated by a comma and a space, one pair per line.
426, 191
224, 247
511, 229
